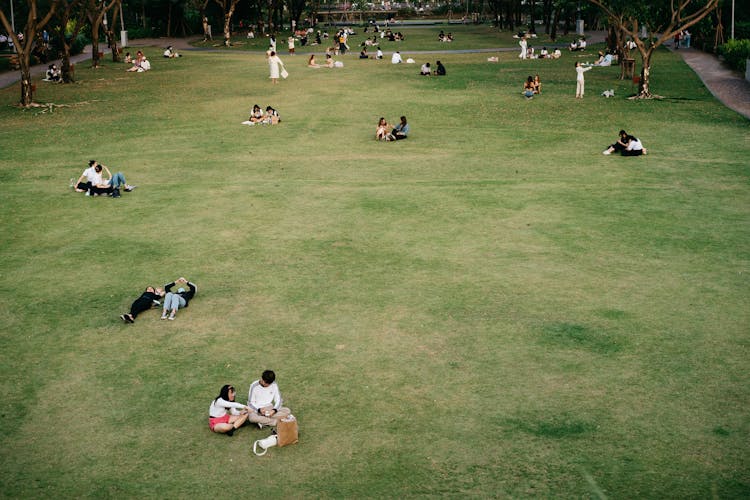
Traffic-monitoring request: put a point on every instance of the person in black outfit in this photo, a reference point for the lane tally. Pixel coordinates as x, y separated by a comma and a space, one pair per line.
148, 299
178, 300
440, 71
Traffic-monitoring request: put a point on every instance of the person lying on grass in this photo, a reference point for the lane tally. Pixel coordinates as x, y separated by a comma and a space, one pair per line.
177, 300
148, 299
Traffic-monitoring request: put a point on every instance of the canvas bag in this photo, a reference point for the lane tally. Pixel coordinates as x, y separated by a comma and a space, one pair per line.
287, 430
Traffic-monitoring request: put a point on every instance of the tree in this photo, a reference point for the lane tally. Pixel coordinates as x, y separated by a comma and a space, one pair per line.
71, 16
95, 11
23, 48
227, 7
663, 19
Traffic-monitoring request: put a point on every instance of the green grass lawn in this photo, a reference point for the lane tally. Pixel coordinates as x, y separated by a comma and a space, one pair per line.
489, 308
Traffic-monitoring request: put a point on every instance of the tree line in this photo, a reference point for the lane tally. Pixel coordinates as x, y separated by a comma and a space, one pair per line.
648, 23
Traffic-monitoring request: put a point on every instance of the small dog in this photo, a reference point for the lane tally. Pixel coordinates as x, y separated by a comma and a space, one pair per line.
608, 93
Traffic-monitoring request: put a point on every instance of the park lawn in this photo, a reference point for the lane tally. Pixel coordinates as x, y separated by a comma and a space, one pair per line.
490, 308
417, 38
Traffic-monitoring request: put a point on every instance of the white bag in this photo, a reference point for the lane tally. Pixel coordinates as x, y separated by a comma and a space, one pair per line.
284, 73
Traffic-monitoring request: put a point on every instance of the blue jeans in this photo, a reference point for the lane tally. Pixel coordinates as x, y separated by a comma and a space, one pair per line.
118, 180
173, 301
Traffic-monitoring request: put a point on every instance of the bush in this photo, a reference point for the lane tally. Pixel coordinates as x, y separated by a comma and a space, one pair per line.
742, 30
139, 33
735, 53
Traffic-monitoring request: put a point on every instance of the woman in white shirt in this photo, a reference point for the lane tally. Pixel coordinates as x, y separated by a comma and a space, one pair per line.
275, 66
221, 421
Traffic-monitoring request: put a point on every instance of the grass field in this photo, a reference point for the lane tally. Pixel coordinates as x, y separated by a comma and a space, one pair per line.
490, 308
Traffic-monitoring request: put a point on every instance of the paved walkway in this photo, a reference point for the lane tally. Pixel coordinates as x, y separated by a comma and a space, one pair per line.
727, 86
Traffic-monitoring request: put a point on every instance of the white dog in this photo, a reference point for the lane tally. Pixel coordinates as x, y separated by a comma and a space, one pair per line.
609, 93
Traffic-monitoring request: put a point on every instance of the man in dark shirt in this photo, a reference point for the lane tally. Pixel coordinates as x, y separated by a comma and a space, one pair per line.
148, 299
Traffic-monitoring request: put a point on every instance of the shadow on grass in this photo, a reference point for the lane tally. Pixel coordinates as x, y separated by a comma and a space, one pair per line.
574, 336
556, 426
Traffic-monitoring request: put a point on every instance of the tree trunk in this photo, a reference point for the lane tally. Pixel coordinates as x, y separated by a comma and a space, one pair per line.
644, 89
66, 75
27, 92
555, 22
95, 45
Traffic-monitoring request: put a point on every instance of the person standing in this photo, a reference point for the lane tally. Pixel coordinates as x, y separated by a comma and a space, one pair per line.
523, 45
580, 83
148, 299
275, 66
290, 43
265, 402
180, 299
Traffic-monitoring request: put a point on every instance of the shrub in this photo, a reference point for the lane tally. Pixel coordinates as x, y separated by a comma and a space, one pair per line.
735, 53
139, 33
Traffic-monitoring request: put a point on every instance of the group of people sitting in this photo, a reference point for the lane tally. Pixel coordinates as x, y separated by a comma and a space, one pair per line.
545, 54
268, 117
52, 74
173, 301
577, 45
426, 70
93, 183
532, 86
384, 132
139, 62
170, 53
627, 145
330, 62
264, 406
442, 37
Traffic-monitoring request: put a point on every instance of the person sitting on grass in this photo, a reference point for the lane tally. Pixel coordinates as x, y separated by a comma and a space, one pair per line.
528, 87
381, 133
256, 116
272, 116
95, 183
634, 147
425, 70
148, 299
221, 421
400, 131
180, 299
440, 71
311, 62
618, 146
537, 85
52, 74
265, 402
329, 61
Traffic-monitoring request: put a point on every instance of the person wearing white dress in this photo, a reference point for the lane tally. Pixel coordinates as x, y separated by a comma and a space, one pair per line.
523, 45
275, 65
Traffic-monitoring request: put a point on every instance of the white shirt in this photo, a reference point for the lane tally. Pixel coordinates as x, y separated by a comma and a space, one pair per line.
634, 145
580, 70
379, 54
94, 177
219, 408
425, 69
259, 396
145, 65
396, 58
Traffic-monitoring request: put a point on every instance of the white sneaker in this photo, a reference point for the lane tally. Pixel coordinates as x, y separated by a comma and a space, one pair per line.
164, 316
606, 152
171, 317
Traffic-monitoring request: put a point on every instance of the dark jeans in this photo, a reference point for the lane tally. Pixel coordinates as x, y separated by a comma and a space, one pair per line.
633, 152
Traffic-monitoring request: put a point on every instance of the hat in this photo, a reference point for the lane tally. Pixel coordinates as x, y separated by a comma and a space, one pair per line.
180, 290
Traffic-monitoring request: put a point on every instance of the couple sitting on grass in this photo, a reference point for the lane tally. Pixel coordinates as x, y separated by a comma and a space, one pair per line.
270, 117
400, 131
263, 406
96, 185
172, 301
627, 145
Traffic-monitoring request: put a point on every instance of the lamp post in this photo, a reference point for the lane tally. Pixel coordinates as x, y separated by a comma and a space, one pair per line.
732, 32
12, 17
